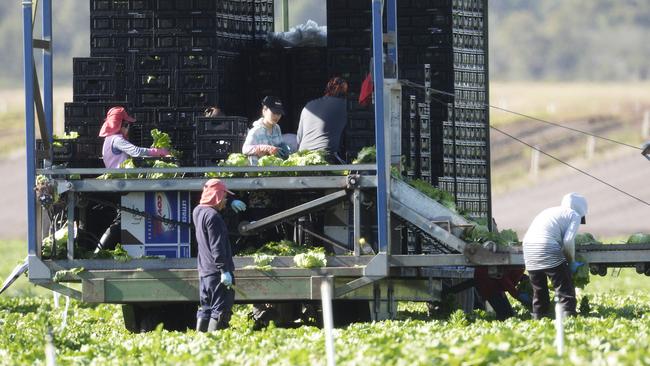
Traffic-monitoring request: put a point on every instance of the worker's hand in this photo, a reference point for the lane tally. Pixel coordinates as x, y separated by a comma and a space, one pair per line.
158, 152
525, 298
266, 150
238, 206
226, 279
573, 266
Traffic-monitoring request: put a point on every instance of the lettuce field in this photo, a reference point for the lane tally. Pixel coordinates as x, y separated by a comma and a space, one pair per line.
614, 331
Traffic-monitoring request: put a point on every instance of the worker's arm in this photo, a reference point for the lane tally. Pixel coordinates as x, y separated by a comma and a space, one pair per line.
251, 147
568, 241
122, 144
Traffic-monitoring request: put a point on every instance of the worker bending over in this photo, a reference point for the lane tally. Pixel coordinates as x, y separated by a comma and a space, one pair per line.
322, 121
214, 259
549, 251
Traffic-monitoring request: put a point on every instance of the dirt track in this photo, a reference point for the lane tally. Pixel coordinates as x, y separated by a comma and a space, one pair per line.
610, 213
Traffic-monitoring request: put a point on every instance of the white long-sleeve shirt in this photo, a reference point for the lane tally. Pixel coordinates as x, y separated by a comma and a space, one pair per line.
553, 230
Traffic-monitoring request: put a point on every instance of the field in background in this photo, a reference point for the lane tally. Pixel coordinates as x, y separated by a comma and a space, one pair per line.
565, 102
12, 117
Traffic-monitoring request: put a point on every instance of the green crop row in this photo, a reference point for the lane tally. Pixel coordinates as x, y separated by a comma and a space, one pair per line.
615, 332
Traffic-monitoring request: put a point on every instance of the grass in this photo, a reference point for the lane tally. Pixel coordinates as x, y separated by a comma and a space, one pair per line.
561, 102
12, 117
13, 253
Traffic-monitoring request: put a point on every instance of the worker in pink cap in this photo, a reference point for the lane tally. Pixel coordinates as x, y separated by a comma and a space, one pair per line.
214, 259
116, 146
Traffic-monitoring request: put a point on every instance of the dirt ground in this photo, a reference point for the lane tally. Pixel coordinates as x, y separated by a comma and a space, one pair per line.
611, 213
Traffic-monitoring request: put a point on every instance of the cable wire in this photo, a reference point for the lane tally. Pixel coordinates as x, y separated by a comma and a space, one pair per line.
571, 166
437, 91
565, 127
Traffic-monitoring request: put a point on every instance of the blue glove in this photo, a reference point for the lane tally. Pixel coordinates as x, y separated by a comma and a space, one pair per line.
284, 151
524, 298
573, 266
238, 206
226, 279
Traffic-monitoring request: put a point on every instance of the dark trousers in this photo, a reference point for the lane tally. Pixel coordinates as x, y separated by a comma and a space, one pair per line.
215, 299
499, 302
562, 282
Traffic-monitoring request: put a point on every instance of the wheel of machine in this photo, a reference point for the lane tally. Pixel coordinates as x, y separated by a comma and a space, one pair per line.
641, 268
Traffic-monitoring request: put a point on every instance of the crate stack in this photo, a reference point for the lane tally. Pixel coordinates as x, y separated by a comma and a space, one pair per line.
349, 24
217, 137
442, 44
166, 61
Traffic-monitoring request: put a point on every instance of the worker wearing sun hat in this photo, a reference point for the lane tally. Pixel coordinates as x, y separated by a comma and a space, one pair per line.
214, 259
117, 148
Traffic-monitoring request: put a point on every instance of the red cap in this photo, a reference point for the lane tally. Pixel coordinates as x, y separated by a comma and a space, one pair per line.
113, 121
214, 191
365, 97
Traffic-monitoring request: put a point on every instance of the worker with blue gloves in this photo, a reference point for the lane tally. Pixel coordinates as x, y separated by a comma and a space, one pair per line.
549, 252
214, 259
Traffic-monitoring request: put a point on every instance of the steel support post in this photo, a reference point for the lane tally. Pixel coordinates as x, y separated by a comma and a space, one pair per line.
47, 69
71, 205
382, 163
391, 30
356, 220
28, 77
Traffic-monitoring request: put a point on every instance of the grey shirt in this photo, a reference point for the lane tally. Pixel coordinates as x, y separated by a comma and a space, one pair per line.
547, 235
321, 124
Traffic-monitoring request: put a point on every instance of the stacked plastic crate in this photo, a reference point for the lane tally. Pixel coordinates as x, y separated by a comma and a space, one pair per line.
166, 61
349, 30
466, 136
442, 45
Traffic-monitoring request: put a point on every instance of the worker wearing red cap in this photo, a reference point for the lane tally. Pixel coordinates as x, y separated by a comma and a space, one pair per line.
214, 260
117, 148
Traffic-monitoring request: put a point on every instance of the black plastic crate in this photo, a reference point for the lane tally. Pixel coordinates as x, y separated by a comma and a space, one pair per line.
197, 98
153, 98
263, 8
228, 126
175, 23
197, 79
186, 5
116, 44
233, 42
178, 116
119, 6
153, 80
218, 145
90, 112
98, 66
84, 129
152, 61
143, 116
127, 23
235, 24
195, 60
106, 85
184, 42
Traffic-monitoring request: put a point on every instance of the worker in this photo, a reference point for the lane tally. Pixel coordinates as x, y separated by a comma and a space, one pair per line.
322, 121
213, 112
265, 137
117, 148
214, 260
492, 288
549, 252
